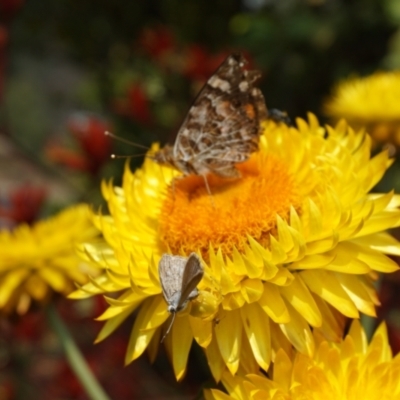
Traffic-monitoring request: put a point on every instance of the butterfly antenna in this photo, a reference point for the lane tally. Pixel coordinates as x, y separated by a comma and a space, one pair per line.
170, 326
118, 156
120, 139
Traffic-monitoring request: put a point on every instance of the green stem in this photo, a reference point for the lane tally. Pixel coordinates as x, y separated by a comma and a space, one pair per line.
75, 358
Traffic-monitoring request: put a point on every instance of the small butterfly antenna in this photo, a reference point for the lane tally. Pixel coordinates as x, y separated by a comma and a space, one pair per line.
118, 156
107, 133
169, 328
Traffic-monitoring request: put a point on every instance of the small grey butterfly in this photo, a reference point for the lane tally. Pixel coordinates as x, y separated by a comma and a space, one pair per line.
179, 277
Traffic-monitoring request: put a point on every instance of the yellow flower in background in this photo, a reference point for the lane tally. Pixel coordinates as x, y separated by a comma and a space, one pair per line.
371, 102
348, 370
291, 246
40, 259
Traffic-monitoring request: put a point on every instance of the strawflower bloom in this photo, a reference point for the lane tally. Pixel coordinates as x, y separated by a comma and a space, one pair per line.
351, 369
370, 102
41, 259
294, 243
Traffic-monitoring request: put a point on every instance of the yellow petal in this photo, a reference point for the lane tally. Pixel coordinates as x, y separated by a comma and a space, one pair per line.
314, 223
116, 308
381, 222
380, 344
355, 290
248, 362
298, 332
214, 394
54, 278
285, 238
325, 285
272, 303
10, 282
157, 314
282, 368
332, 323
279, 341
36, 287
214, 358
205, 306
201, 330
140, 336
232, 301
301, 299
233, 386
181, 342
382, 242
359, 337
229, 338
313, 261
252, 290
154, 345
112, 324
256, 326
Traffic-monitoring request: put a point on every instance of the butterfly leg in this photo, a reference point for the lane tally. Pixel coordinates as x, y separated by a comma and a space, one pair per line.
209, 191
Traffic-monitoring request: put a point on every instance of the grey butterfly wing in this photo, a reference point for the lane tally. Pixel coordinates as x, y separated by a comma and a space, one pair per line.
192, 275
170, 270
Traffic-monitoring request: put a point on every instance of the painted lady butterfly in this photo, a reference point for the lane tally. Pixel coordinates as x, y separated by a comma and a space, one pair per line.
222, 127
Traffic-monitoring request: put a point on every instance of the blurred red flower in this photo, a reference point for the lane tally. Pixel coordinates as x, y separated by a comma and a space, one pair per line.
156, 42
95, 146
23, 205
29, 328
135, 105
7, 391
89, 130
200, 64
3, 37
8, 8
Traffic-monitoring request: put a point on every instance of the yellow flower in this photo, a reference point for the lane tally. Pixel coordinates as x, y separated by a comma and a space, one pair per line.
370, 102
293, 244
348, 370
40, 259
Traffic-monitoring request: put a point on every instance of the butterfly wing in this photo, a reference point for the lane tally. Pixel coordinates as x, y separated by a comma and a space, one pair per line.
170, 270
192, 275
222, 127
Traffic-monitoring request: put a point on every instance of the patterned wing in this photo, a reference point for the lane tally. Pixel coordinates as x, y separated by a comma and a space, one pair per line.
170, 270
222, 127
192, 275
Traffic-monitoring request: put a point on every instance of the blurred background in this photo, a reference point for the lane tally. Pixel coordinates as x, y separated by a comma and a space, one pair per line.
70, 70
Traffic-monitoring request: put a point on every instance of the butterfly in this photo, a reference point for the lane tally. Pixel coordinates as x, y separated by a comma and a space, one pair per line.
179, 277
222, 127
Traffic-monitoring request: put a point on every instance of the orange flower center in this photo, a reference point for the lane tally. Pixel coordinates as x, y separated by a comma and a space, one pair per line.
191, 218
